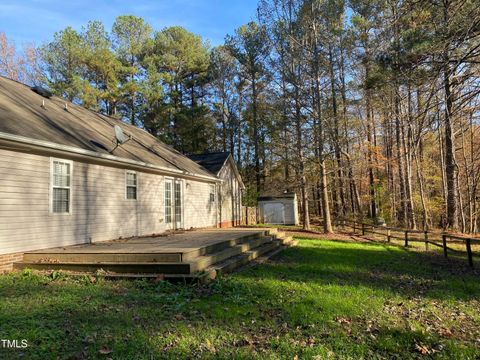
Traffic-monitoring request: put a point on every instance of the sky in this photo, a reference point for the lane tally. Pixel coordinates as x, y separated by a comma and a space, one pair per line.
27, 21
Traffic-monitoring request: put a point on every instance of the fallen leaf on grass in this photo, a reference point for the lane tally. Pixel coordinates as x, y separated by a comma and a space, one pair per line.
210, 346
179, 317
445, 332
344, 320
422, 349
104, 350
81, 355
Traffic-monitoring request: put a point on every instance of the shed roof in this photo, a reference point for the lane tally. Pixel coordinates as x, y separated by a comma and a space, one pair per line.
288, 195
25, 113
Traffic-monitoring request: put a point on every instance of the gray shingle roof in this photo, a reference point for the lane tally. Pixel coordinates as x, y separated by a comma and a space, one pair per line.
22, 114
213, 162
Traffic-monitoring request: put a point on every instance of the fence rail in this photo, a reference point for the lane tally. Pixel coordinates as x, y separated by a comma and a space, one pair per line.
415, 236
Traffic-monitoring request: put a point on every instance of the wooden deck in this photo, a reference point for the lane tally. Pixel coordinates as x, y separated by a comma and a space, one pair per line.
176, 246
188, 252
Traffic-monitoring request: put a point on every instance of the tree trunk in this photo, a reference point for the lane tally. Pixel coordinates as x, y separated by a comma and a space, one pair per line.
255, 135
370, 143
301, 161
450, 164
336, 131
398, 132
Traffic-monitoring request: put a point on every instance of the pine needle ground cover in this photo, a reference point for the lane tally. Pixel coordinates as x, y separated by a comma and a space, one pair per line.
319, 300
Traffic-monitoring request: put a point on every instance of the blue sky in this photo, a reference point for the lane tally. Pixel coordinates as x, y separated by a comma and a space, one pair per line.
35, 21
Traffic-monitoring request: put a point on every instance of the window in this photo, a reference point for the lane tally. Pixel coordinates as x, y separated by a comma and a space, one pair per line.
131, 183
168, 201
178, 201
61, 186
212, 193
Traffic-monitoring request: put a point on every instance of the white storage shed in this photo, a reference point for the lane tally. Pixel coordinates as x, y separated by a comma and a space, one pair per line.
280, 209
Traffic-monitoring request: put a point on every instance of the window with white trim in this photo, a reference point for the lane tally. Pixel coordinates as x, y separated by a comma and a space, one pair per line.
168, 201
131, 185
61, 186
178, 201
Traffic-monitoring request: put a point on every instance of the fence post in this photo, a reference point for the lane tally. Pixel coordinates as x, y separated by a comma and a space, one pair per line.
363, 229
354, 226
406, 238
444, 240
469, 252
388, 235
426, 240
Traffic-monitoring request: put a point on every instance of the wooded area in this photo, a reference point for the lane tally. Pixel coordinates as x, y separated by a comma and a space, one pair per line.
363, 107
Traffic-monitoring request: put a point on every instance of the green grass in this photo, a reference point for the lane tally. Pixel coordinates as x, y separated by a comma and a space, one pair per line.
320, 300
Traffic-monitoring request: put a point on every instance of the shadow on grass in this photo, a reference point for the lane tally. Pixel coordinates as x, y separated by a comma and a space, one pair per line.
376, 266
311, 299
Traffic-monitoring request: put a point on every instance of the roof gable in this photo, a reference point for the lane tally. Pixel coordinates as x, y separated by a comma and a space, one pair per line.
213, 162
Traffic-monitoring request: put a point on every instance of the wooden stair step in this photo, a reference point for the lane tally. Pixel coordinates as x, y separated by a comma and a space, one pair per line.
214, 248
203, 262
263, 258
242, 259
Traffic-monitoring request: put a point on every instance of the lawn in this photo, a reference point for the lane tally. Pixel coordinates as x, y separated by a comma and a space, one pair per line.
320, 300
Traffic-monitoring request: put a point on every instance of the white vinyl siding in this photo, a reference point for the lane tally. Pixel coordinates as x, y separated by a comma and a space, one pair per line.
131, 185
212, 193
98, 205
99, 210
229, 195
199, 211
61, 171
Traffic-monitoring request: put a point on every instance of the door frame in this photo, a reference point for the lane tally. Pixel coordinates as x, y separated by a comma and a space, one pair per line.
174, 224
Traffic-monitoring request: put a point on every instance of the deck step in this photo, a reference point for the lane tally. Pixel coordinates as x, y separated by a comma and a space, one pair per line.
282, 236
215, 248
203, 262
243, 259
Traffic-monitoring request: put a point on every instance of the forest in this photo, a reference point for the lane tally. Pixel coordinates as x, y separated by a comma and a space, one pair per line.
364, 108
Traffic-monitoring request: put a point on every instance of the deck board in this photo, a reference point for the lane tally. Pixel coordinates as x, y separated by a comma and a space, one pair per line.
178, 243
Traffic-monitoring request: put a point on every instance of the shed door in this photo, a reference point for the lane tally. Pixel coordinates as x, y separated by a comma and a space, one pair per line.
274, 213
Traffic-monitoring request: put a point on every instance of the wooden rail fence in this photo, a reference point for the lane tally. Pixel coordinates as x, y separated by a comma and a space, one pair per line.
410, 236
249, 215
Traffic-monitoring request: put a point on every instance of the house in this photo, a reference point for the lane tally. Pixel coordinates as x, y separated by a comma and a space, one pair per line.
223, 166
69, 176
279, 209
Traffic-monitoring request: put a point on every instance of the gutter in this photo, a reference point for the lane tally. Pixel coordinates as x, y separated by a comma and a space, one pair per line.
34, 143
